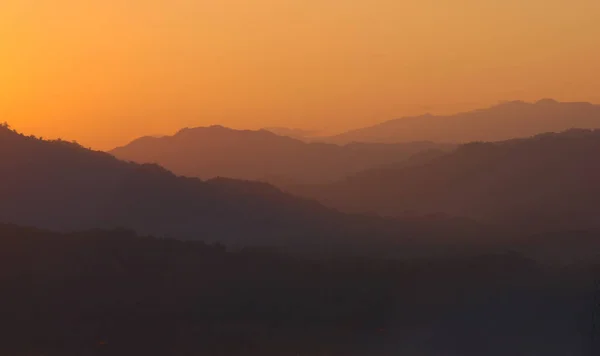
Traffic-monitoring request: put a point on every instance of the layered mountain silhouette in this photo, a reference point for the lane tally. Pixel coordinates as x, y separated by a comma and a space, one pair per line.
62, 186
549, 180
501, 122
216, 151
112, 291
299, 134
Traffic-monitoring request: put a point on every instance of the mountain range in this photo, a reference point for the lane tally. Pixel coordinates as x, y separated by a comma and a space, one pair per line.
500, 122
216, 151
62, 186
235, 267
549, 180
327, 195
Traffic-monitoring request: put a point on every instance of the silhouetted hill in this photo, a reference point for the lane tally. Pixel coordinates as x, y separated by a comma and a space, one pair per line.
63, 186
216, 151
547, 181
114, 293
501, 122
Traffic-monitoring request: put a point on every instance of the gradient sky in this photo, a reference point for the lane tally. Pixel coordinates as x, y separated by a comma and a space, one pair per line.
103, 72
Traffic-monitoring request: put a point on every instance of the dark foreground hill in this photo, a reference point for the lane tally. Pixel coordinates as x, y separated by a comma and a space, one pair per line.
545, 182
113, 293
62, 186
501, 122
216, 151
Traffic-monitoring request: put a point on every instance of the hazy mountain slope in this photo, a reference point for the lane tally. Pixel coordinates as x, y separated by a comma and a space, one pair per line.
63, 186
208, 152
502, 122
548, 180
299, 134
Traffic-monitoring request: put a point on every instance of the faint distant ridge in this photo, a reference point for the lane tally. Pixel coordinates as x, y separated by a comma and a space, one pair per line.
217, 151
504, 121
299, 134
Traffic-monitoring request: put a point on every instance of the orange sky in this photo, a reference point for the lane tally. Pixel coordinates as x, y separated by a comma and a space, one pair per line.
106, 71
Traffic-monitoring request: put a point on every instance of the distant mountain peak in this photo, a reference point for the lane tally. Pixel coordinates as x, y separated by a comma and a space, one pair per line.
503, 121
293, 132
547, 102
187, 130
220, 129
208, 152
508, 103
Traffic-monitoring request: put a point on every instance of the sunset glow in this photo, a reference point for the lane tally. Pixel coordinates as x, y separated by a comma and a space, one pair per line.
105, 72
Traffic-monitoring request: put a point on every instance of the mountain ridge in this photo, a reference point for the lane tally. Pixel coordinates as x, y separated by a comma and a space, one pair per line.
64, 187
214, 151
503, 121
545, 180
